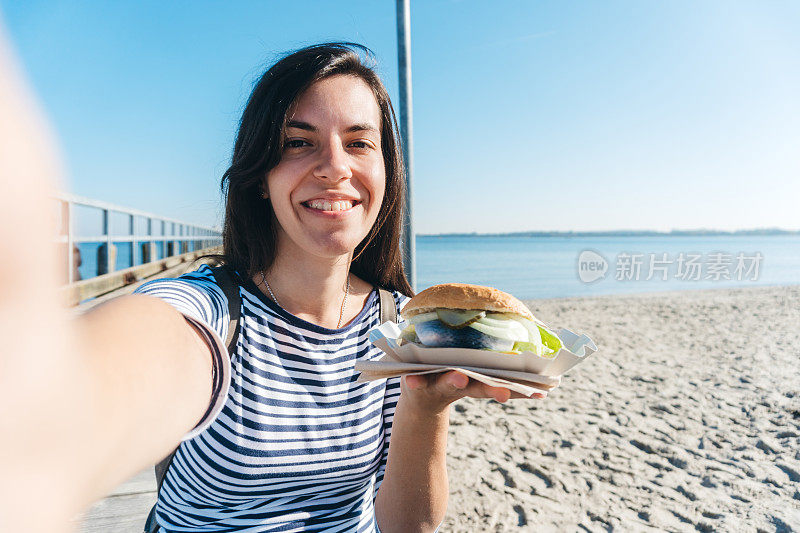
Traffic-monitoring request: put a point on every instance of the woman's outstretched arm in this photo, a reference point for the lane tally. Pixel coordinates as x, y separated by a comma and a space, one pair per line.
414, 492
86, 404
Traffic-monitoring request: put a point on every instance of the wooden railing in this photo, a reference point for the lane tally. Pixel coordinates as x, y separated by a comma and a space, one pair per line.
151, 238
81, 291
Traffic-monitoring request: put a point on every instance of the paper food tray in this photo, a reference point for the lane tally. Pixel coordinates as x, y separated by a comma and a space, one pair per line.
521, 382
525, 373
575, 348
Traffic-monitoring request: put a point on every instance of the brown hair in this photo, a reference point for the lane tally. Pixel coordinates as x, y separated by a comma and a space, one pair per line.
249, 236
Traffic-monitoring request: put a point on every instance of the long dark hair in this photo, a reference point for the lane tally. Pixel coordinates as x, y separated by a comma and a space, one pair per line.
249, 236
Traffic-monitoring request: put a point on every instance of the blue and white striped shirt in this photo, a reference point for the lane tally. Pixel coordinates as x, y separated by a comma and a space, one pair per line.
291, 442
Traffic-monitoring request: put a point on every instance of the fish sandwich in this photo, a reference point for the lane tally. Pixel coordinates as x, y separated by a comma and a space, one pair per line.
459, 315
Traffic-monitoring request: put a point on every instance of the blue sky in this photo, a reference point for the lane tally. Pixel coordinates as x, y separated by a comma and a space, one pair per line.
527, 115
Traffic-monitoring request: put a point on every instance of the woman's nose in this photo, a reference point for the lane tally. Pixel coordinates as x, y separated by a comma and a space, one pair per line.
334, 164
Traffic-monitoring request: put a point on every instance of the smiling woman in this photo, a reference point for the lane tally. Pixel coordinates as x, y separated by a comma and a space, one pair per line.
314, 194
312, 228
273, 430
281, 131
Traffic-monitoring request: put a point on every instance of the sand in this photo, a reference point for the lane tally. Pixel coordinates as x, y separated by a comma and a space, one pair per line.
687, 419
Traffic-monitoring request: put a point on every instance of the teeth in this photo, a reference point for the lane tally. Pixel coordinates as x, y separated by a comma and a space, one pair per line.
325, 205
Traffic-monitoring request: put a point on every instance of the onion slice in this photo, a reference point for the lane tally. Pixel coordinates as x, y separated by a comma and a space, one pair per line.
422, 317
457, 318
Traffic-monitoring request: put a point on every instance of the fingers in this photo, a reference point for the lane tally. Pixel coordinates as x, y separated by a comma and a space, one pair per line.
451, 385
455, 380
444, 383
500, 394
536, 395
434, 392
454, 385
416, 382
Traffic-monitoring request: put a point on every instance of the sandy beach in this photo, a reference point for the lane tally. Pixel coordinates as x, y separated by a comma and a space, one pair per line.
687, 419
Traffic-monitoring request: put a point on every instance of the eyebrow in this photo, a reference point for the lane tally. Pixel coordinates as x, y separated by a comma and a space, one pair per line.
299, 124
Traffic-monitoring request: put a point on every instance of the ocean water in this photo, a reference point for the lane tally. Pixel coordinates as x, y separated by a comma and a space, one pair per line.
547, 267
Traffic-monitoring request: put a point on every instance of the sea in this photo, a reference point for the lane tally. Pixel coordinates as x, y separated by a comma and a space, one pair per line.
532, 267
566, 266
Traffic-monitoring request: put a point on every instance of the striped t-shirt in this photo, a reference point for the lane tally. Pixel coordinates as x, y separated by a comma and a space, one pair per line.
290, 442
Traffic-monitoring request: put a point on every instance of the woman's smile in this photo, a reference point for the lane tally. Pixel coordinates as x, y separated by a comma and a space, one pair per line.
331, 208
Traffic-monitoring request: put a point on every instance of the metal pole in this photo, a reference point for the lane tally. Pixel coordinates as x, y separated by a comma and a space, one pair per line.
70, 252
107, 233
406, 132
132, 230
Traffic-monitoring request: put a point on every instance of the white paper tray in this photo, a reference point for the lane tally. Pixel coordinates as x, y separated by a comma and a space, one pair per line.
575, 348
525, 373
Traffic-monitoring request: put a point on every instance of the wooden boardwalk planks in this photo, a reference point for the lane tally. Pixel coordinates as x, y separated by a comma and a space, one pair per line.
122, 511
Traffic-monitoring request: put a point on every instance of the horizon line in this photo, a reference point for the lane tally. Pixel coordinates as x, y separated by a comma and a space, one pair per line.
619, 232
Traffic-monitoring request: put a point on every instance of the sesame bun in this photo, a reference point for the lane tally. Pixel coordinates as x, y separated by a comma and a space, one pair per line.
465, 296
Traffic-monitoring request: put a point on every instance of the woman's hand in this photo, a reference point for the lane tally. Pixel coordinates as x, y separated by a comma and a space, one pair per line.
433, 393
79, 411
35, 413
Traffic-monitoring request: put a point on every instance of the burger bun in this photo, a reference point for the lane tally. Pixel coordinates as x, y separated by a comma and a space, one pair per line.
465, 296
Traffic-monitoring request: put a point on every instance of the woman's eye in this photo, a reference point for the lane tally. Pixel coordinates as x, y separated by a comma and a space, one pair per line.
295, 143
359, 144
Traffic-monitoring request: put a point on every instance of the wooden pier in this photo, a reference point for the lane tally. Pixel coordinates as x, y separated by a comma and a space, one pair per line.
124, 510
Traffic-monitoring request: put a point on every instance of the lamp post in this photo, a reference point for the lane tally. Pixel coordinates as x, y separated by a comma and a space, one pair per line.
406, 133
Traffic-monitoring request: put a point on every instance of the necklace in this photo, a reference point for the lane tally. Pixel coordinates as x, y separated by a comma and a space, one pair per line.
341, 309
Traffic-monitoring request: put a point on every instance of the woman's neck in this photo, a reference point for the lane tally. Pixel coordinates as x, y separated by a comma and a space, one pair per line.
313, 288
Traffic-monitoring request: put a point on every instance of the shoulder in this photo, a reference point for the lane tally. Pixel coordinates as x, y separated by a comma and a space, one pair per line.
200, 283
200, 299
195, 294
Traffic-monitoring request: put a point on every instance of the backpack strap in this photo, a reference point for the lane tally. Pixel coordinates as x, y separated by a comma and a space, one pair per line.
230, 288
388, 306
224, 278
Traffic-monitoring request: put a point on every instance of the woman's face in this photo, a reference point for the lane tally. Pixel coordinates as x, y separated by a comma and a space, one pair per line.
327, 190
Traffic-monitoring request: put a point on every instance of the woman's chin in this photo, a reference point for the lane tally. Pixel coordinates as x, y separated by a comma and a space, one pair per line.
332, 245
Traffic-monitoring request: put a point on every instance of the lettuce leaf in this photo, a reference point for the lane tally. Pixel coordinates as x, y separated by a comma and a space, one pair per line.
550, 339
548, 348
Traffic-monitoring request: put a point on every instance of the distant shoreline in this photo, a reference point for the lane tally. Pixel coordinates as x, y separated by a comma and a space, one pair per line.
623, 233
